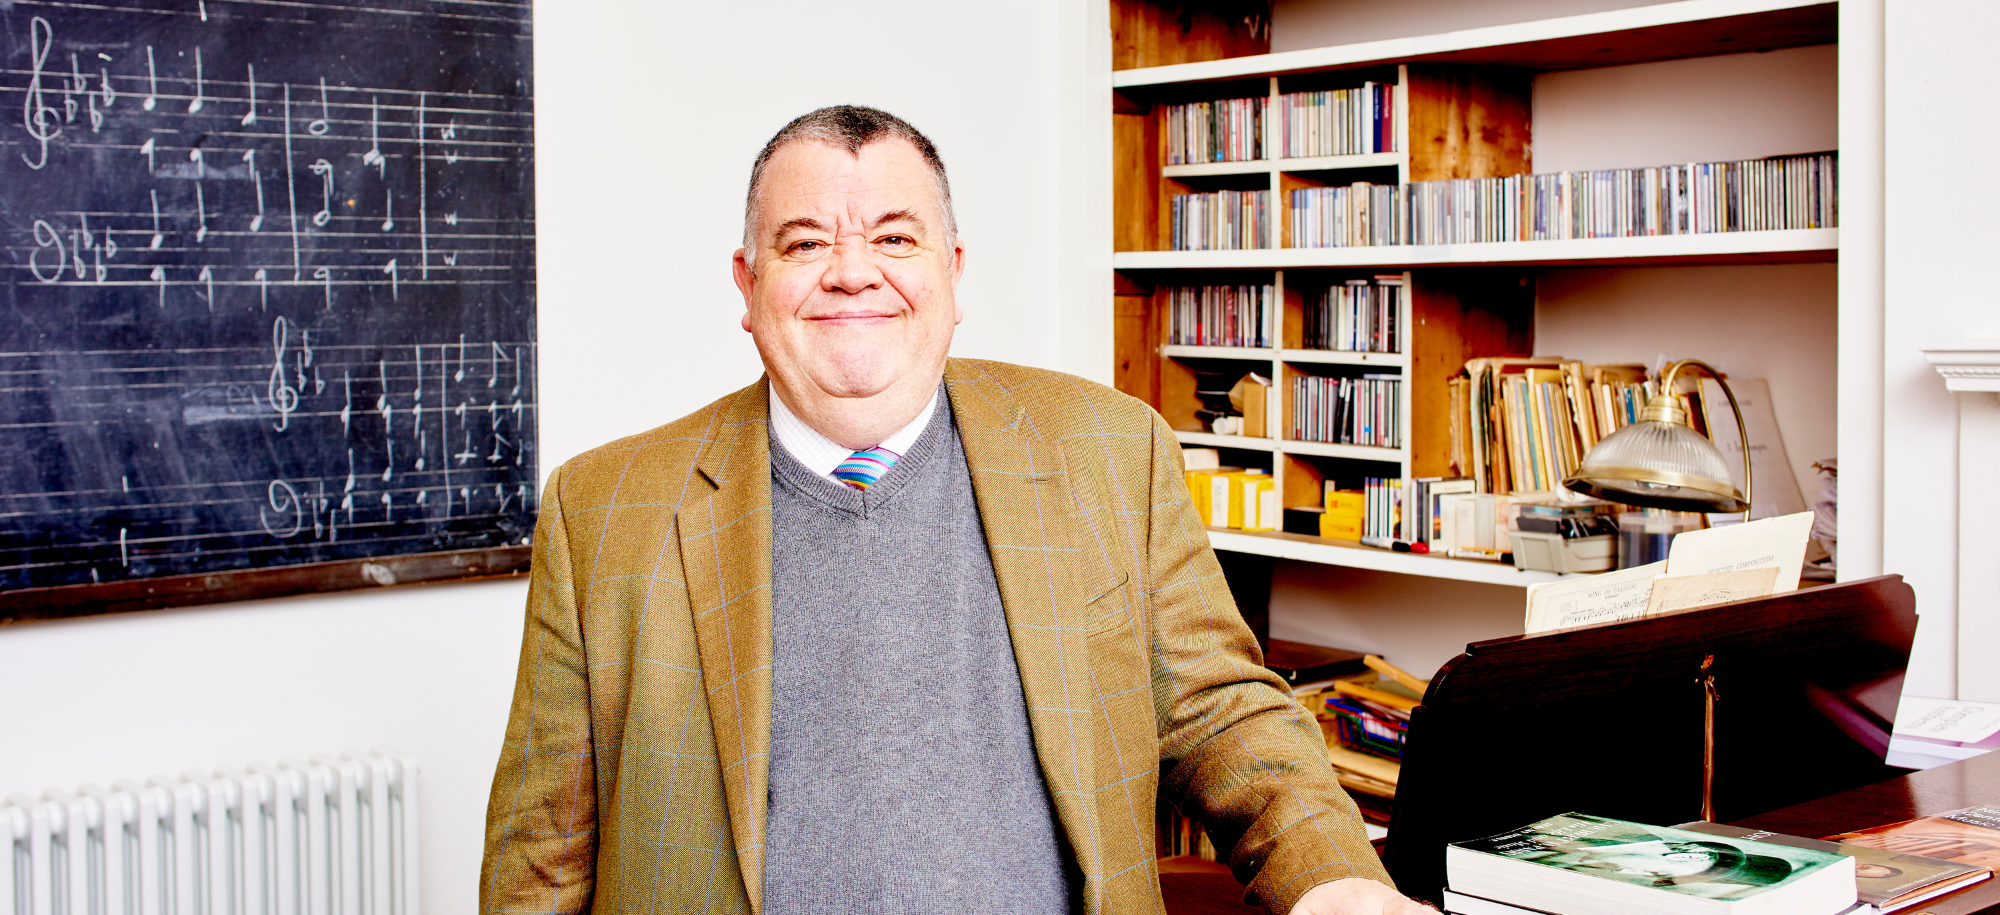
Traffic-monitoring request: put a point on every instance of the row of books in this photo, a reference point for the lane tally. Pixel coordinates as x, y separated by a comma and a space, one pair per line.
1357, 316
1784, 192
1524, 423
1245, 499
1225, 130
1338, 122
1348, 411
1222, 221
1357, 216
1579, 864
1220, 315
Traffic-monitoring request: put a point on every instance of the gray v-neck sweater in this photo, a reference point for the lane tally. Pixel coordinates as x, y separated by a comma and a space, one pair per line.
903, 777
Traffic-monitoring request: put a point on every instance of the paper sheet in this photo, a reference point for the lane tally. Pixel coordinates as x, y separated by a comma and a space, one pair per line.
1686, 592
1776, 488
1603, 598
1779, 542
1947, 719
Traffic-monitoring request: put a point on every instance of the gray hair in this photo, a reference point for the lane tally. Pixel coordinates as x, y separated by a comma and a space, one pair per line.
846, 127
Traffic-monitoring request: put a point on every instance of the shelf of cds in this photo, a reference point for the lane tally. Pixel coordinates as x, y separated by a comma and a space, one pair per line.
1325, 238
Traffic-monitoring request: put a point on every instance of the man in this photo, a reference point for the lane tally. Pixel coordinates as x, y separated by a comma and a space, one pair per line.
890, 632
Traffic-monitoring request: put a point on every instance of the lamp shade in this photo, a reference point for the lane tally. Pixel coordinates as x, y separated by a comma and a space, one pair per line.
1658, 464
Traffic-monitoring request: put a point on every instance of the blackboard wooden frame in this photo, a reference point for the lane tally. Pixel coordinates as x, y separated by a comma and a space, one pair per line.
252, 584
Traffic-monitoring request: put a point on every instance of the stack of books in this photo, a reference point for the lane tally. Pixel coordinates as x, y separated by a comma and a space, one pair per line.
1357, 316
1339, 122
1357, 216
1226, 130
1524, 424
1782, 192
1220, 315
1577, 864
1350, 411
1222, 221
1244, 499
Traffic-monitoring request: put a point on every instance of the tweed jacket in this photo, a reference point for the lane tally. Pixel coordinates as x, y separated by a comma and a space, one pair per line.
634, 772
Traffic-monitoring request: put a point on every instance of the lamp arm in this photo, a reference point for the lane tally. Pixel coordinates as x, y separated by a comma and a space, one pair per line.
1742, 432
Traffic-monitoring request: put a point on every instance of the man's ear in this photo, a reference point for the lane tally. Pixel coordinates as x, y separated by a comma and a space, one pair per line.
957, 260
739, 267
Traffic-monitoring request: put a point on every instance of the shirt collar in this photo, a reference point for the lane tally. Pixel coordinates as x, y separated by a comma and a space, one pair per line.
821, 454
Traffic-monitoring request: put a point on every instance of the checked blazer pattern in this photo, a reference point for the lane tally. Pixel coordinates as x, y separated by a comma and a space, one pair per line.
634, 773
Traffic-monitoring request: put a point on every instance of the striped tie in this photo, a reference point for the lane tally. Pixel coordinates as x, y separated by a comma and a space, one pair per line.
863, 468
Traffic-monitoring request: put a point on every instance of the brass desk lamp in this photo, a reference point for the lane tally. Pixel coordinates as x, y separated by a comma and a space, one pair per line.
1661, 462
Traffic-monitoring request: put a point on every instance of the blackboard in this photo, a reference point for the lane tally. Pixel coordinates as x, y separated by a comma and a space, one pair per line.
272, 294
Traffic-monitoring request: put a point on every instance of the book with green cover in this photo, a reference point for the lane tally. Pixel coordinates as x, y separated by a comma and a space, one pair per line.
1578, 864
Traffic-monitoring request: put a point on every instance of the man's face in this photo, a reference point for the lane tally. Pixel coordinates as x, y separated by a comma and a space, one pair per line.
852, 285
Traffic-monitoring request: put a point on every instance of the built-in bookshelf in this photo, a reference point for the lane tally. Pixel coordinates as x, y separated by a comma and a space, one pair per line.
1460, 109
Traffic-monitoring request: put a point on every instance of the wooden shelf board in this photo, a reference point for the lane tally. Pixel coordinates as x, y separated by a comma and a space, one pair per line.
1353, 555
1666, 31
1341, 357
1778, 246
1300, 164
1212, 440
1353, 452
1217, 352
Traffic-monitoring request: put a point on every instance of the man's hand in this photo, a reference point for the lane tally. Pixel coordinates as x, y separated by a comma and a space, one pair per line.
1357, 896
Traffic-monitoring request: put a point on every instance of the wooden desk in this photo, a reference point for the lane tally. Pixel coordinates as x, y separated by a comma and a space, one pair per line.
1919, 794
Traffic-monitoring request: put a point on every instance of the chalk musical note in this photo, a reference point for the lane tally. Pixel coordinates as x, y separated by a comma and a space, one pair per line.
74, 86
390, 269
204, 9
461, 368
324, 170
517, 378
208, 277
374, 154
45, 237
388, 210
195, 104
263, 290
152, 82
325, 276
146, 149
493, 371
418, 394
159, 277
257, 181
388, 504
37, 116
389, 465
97, 257
350, 471
250, 117
347, 408
200, 212
319, 127
284, 398
158, 236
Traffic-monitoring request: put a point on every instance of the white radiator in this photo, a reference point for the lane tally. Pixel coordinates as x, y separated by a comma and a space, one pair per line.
335, 836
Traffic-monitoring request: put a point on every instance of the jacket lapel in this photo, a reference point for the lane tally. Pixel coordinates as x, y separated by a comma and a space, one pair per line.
725, 538
1023, 491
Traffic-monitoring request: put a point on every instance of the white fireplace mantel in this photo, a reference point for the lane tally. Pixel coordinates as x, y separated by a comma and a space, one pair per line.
1970, 366
1972, 371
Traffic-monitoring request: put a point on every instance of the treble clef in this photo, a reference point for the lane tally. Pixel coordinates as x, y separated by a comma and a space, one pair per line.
284, 397
324, 169
42, 121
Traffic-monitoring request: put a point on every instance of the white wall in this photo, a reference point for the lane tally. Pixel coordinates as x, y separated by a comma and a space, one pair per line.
1705, 109
648, 115
1938, 284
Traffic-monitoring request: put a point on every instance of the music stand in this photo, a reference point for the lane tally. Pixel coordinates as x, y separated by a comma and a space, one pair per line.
1610, 719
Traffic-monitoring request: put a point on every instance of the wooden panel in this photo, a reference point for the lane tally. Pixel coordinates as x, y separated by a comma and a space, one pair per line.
1460, 314
1135, 178
1305, 484
1294, 325
1468, 122
1147, 34
278, 581
1136, 352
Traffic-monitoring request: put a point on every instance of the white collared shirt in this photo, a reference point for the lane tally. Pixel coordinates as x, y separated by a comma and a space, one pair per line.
822, 455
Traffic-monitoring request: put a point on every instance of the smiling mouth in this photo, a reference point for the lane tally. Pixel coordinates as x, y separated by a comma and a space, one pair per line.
854, 318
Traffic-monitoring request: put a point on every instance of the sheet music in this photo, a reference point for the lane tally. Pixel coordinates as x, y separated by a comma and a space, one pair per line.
272, 286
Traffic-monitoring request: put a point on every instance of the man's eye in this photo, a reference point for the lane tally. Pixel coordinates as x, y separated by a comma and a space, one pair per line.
898, 241
806, 247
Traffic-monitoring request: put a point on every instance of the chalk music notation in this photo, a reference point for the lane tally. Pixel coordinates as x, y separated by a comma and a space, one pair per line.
279, 292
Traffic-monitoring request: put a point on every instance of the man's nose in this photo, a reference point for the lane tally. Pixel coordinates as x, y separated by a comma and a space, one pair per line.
851, 267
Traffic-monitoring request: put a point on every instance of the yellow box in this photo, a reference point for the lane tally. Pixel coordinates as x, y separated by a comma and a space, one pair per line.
1340, 526
1345, 501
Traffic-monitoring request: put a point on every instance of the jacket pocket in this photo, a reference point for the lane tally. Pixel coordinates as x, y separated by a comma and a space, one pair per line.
1109, 611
